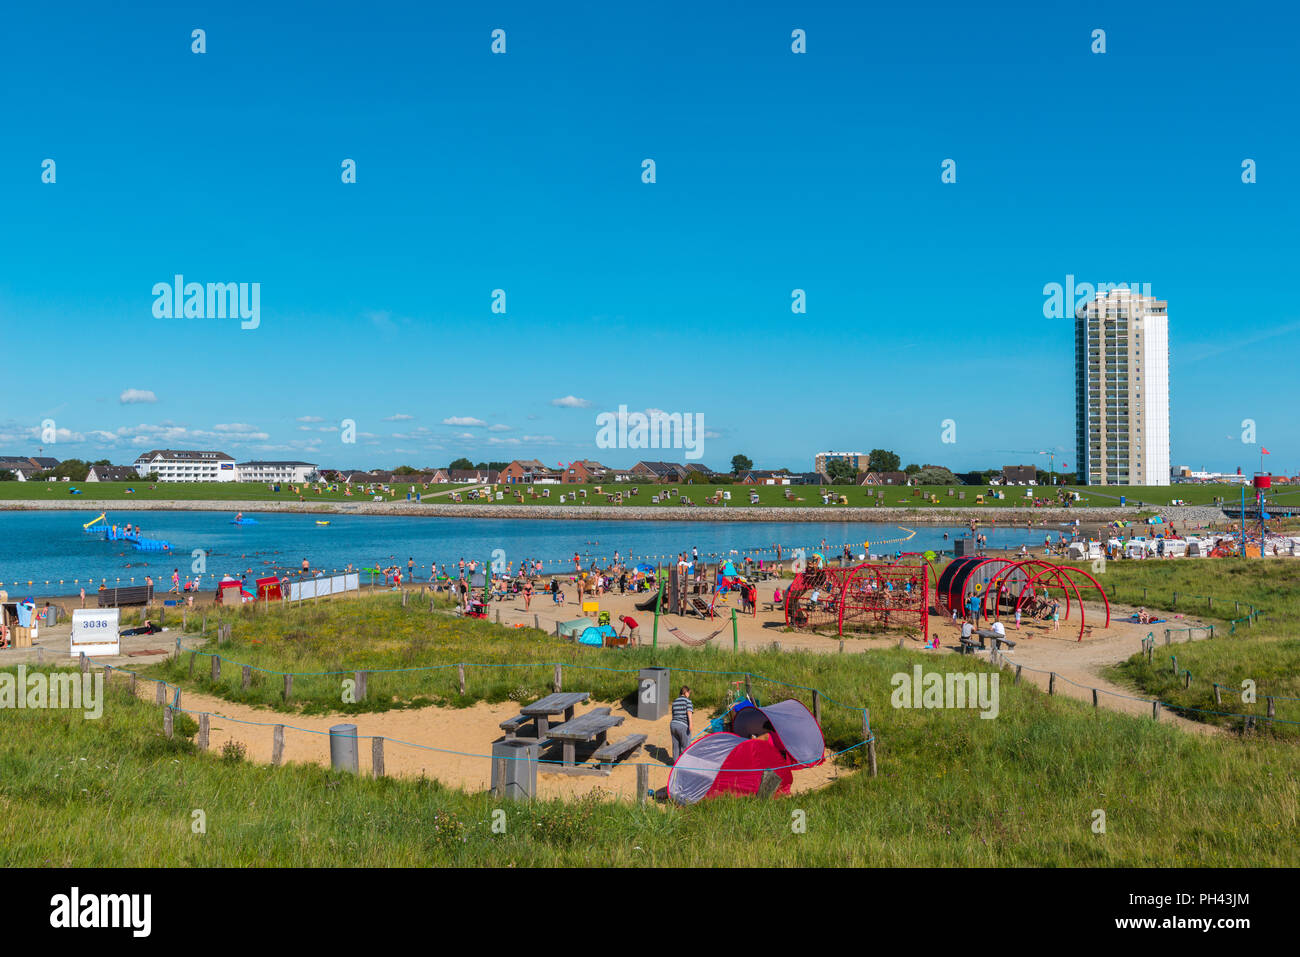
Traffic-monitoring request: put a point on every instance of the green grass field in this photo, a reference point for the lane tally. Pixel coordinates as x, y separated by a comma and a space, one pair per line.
769, 496
1269, 663
953, 789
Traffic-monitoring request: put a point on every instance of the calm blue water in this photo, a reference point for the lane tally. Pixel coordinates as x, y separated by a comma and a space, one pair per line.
51, 546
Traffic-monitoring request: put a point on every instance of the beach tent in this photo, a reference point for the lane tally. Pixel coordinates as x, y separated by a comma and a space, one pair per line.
591, 636
782, 738
575, 627
1077, 551
645, 568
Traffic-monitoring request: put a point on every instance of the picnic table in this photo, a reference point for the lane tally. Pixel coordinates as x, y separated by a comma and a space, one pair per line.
561, 702
995, 638
589, 728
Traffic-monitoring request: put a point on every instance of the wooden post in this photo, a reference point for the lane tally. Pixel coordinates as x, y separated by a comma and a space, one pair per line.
871, 740
377, 757
192, 657
288, 687
1155, 710
159, 692
277, 744
431, 605
216, 669
841, 646
1051, 682
559, 677
500, 790
362, 678
817, 706
537, 623
85, 663
1017, 681
460, 673
1218, 697
168, 721
1173, 663
1094, 697
404, 599
205, 624
133, 684
247, 677
1187, 679
1271, 710
767, 787
205, 728
642, 782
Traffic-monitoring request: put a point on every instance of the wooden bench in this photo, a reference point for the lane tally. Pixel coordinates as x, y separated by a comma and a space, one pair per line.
969, 646
511, 725
771, 606
130, 595
607, 754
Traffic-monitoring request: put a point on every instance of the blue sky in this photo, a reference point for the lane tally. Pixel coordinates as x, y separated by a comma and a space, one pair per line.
522, 172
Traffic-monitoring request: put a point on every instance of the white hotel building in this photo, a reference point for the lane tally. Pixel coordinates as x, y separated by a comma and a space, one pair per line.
1121, 367
276, 471
181, 465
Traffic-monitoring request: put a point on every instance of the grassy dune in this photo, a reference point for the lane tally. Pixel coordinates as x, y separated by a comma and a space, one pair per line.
954, 789
804, 496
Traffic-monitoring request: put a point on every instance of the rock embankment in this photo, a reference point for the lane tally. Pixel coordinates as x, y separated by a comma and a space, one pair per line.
1183, 515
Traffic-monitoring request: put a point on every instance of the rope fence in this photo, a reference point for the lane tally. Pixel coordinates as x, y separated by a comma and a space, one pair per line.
1248, 720
165, 690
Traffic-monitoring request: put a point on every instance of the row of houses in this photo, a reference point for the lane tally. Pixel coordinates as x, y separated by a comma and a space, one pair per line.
24, 467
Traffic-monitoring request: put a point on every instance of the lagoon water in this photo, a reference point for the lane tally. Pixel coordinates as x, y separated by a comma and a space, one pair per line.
50, 547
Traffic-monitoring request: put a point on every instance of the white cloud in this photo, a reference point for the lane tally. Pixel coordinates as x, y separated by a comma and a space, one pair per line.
309, 418
399, 417
131, 396
500, 427
570, 402
464, 421
235, 428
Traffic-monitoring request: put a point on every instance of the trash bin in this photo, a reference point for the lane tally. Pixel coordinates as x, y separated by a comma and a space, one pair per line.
519, 768
343, 747
653, 694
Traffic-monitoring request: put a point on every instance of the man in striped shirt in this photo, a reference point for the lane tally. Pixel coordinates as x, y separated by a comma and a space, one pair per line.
680, 725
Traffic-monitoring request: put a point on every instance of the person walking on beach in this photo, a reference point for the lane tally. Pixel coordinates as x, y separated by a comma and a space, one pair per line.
528, 593
680, 725
555, 591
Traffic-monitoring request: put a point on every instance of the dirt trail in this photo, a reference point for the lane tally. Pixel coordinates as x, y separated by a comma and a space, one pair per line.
1038, 646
